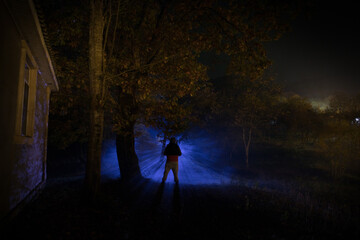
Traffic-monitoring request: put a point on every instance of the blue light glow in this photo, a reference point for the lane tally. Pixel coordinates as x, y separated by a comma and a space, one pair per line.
199, 163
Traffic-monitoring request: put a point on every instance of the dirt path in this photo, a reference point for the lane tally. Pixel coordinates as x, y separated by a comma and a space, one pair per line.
149, 210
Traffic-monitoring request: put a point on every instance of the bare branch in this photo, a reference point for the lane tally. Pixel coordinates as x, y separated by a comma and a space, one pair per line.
146, 66
107, 27
116, 25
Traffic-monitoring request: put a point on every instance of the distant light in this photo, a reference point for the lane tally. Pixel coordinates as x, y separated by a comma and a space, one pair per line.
356, 121
320, 104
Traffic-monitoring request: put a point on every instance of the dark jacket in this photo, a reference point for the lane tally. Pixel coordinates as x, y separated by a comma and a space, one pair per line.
172, 149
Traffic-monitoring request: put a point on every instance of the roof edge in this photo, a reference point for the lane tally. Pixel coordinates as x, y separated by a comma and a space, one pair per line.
55, 85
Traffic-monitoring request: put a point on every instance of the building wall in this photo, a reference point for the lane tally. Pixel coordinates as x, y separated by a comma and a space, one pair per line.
29, 168
10, 52
22, 165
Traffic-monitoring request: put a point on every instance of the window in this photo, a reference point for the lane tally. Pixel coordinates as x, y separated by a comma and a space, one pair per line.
24, 116
26, 97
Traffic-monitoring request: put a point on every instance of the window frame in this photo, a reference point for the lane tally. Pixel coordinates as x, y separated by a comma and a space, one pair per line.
24, 134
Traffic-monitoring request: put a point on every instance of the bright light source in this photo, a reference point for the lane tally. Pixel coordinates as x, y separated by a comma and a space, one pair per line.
197, 165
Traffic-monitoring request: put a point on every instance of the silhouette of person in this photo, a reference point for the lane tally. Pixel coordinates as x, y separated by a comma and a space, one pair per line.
172, 153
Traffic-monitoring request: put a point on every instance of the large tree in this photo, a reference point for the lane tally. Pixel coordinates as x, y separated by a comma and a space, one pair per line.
78, 33
156, 59
96, 77
144, 63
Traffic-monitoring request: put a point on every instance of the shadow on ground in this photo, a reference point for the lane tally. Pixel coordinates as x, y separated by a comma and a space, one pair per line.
149, 210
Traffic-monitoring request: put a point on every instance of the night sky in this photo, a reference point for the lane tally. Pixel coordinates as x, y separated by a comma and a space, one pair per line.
320, 56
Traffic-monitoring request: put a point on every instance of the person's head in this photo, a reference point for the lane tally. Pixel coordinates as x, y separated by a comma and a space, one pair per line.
172, 140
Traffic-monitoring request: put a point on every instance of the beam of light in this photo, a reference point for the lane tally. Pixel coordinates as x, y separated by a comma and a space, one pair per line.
200, 162
109, 163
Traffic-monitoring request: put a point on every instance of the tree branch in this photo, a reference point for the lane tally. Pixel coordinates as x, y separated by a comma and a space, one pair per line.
145, 66
115, 28
107, 27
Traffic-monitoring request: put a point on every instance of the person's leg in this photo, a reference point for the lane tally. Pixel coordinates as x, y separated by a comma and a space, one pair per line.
166, 172
175, 170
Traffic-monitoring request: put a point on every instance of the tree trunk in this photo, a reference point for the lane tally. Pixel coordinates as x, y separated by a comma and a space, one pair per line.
93, 164
247, 142
127, 158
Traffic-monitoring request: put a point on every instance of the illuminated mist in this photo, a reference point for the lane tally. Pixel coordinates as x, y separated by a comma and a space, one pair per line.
200, 162
321, 104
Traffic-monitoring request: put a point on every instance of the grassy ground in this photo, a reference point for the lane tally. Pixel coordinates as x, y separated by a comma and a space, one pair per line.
275, 199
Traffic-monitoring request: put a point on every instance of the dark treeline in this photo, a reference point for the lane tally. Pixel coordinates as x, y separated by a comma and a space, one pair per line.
331, 132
